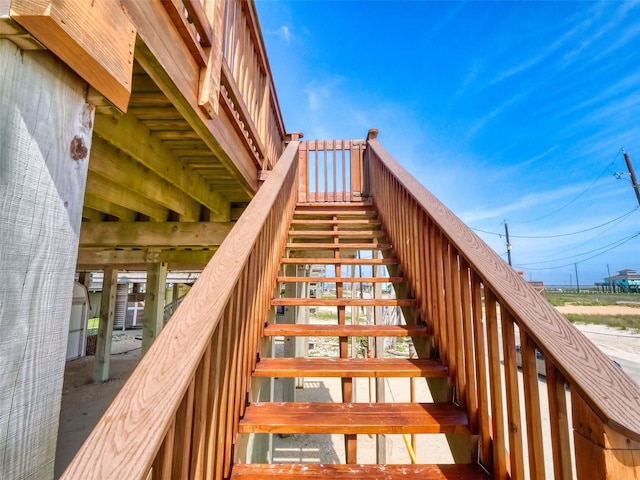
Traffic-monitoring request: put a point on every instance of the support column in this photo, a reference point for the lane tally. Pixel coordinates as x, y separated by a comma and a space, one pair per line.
290, 290
105, 327
153, 304
378, 319
45, 139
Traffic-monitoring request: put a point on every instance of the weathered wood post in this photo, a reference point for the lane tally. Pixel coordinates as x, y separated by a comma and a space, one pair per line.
45, 139
105, 328
153, 304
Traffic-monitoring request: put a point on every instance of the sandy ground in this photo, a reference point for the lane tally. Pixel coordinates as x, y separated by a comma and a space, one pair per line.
83, 401
600, 310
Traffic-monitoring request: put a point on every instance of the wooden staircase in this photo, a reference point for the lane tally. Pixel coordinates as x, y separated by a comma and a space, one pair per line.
332, 235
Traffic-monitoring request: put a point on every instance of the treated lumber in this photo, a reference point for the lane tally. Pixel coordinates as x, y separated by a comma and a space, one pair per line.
349, 367
342, 279
110, 162
341, 261
346, 302
316, 471
102, 56
318, 330
337, 233
45, 142
102, 362
576, 358
134, 138
92, 215
354, 222
353, 418
110, 191
337, 246
146, 234
128, 259
166, 59
153, 304
110, 208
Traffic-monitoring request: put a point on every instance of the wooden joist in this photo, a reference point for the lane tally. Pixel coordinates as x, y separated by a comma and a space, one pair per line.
349, 367
353, 418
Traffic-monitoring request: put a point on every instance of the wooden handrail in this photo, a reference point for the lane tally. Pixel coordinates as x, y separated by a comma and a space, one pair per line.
178, 411
468, 295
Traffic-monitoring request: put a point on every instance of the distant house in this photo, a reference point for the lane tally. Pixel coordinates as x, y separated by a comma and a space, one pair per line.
626, 280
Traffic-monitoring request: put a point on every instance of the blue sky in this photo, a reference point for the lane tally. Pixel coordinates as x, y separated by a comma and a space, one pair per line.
506, 111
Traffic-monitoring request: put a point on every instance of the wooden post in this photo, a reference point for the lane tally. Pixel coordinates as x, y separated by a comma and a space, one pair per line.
153, 304
105, 328
45, 139
288, 384
600, 451
378, 318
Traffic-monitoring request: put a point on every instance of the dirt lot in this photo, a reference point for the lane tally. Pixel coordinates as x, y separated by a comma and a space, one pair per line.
599, 310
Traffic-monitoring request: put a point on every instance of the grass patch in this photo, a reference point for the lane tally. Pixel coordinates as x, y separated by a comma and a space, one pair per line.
622, 322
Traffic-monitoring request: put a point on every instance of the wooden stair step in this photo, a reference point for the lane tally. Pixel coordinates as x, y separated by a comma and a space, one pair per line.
336, 205
330, 221
339, 261
337, 246
332, 330
345, 302
353, 418
337, 233
341, 279
317, 471
349, 367
329, 212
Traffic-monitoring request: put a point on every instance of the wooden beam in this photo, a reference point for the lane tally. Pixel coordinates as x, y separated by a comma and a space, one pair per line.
138, 259
153, 304
134, 138
45, 140
100, 205
92, 215
108, 161
178, 75
105, 327
153, 234
109, 191
102, 56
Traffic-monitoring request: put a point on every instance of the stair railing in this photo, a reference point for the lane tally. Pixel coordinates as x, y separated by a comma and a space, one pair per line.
177, 415
477, 307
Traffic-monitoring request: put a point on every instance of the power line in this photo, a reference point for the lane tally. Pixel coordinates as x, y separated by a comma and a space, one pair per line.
559, 234
575, 198
608, 247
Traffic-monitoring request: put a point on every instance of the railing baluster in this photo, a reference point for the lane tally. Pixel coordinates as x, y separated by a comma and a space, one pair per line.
163, 462
486, 443
200, 418
495, 384
182, 443
558, 418
458, 343
532, 407
514, 423
471, 394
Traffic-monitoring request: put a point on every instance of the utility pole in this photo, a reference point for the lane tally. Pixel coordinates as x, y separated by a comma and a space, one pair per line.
506, 232
634, 181
609, 279
577, 281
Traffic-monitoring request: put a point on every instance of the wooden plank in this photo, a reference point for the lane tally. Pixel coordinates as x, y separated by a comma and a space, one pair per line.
209, 88
361, 222
337, 246
101, 56
340, 261
349, 367
342, 279
45, 140
337, 233
134, 138
147, 234
346, 302
362, 472
353, 418
112, 209
347, 330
